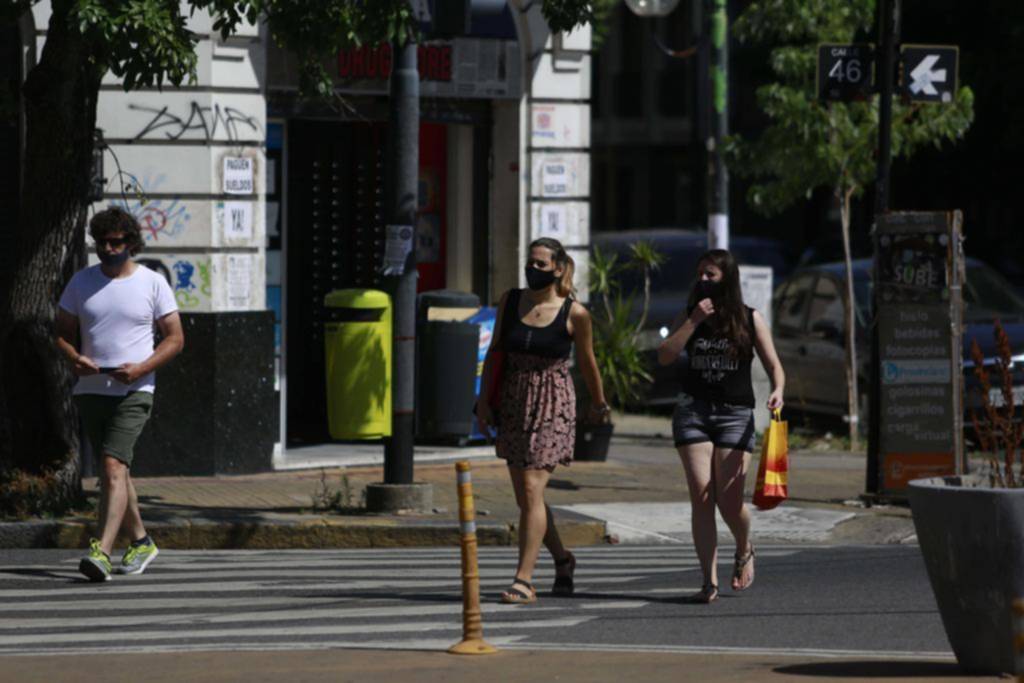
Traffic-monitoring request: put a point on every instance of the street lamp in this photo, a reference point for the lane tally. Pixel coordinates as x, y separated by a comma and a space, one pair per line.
717, 31
652, 8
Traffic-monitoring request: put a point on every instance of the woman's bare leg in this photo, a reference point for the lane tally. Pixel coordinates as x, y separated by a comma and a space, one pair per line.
699, 479
533, 516
730, 477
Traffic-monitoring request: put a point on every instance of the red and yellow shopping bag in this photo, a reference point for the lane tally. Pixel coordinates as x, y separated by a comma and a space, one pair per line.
773, 471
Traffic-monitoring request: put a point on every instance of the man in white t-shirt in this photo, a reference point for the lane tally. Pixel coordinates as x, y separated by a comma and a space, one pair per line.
105, 326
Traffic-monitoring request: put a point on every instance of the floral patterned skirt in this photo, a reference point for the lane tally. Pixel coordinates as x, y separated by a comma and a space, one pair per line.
537, 413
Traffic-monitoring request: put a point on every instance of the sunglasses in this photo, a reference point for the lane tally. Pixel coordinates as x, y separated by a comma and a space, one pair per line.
111, 241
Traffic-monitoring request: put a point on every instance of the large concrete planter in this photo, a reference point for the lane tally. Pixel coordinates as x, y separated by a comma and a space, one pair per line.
972, 540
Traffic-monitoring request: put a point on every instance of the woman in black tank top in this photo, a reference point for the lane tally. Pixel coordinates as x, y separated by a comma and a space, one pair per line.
713, 424
536, 420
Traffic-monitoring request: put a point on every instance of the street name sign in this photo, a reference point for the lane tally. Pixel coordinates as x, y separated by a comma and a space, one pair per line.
845, 72
919, 315
930, 72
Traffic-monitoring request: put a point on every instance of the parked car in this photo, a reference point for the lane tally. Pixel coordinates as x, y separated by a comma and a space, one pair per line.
809, 331
670, 285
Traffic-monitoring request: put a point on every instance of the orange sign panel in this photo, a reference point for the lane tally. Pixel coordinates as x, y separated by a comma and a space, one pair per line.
900, 468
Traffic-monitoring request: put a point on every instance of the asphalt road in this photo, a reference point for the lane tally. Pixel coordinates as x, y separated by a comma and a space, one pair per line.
807, 602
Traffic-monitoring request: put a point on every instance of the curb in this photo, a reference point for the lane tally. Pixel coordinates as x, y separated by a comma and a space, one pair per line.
317, 533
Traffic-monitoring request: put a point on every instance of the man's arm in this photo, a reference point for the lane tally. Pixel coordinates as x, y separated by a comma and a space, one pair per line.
67, 342
171, 345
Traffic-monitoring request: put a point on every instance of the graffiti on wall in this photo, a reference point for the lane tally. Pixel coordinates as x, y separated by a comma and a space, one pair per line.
159, 218
206, 120
191, 288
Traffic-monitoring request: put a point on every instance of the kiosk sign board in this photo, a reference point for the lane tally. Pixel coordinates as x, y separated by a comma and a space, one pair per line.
918, 276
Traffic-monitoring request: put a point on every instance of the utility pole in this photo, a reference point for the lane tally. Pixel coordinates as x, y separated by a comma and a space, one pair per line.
718, 77
889, 18
400, 201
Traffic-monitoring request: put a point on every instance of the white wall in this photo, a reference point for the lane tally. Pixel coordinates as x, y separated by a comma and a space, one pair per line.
166, 161
555, 138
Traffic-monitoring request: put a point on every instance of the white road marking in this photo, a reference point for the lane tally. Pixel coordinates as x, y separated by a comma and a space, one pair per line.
8, 641
321, 615
751, 651
125, 587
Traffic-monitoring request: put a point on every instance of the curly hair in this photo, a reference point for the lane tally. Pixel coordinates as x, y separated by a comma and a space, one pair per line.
116, 219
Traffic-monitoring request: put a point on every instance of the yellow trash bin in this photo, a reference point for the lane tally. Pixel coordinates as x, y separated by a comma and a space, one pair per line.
357, 341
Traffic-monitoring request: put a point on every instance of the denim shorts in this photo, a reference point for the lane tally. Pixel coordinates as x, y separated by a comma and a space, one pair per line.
725, 425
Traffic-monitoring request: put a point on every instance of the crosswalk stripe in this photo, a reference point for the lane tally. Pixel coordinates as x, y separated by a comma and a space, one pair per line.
21, 571
122, 588
324, 614
294, 631
106, 605
421, 644
157, 574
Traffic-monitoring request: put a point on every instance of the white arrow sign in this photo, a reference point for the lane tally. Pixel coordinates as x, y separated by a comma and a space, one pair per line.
924, 76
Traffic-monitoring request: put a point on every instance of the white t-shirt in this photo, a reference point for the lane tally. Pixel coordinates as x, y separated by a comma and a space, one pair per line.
116, 318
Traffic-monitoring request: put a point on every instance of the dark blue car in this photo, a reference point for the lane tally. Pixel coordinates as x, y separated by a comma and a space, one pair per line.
809, 334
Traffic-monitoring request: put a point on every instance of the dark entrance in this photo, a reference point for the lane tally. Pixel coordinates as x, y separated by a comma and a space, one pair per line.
335, 232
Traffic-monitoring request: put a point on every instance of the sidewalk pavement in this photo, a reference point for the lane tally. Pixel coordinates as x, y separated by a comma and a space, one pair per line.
286, 509
508, 666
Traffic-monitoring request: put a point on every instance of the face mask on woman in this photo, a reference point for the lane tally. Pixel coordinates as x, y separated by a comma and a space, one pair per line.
708, 289
537, 279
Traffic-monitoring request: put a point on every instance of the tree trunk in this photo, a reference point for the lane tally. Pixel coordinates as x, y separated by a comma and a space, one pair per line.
853, 395
38, 425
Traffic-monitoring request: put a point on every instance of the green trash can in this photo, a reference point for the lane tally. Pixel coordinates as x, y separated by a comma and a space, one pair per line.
357, 343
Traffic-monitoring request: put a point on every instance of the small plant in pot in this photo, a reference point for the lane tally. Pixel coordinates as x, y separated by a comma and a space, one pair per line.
971, 528
617, 325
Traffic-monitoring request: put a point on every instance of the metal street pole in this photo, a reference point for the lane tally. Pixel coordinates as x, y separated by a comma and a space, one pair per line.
888, 41
718, 75
402, 166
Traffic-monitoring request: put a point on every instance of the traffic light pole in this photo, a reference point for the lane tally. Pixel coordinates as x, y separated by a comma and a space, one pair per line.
400, 201
889, 31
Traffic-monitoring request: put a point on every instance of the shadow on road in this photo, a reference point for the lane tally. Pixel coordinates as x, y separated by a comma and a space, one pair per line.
874, 669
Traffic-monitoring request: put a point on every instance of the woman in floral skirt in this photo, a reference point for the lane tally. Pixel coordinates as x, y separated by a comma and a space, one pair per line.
536, 418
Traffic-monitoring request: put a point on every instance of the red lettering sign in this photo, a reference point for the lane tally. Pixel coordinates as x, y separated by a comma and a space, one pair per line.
375, 63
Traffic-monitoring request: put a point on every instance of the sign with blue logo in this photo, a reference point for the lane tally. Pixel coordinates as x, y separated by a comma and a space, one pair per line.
486, 317
919, 350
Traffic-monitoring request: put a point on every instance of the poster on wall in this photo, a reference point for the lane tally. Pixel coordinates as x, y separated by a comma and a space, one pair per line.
236, 217
239, 175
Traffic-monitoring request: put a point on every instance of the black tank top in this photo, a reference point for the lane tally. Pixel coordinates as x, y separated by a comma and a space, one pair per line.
718, 371
550, 341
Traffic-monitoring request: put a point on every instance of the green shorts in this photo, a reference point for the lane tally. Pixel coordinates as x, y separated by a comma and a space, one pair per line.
113, 423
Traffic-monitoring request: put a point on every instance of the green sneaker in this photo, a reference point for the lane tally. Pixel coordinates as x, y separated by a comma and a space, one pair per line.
137, 558
95, 565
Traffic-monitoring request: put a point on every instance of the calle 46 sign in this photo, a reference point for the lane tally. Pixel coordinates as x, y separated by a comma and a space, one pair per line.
845, 72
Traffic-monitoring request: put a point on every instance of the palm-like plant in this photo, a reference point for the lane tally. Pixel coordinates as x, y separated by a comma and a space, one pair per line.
616, 329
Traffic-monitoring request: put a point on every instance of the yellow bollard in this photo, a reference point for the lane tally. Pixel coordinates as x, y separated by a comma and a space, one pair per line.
1018, 621
473, 642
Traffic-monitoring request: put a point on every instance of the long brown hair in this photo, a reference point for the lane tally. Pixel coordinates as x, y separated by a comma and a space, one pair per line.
562, 260
730, 319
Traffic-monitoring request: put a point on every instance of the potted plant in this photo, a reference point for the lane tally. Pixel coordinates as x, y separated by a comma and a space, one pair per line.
617, 326
971, 528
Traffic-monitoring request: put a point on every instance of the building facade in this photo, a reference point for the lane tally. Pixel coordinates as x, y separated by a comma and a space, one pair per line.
255, 203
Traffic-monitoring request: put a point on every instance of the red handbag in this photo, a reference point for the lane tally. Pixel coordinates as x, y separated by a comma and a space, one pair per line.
497, 372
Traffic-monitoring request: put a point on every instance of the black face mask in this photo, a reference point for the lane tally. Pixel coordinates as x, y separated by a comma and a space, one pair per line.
113, 260
708, 289
537, 279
